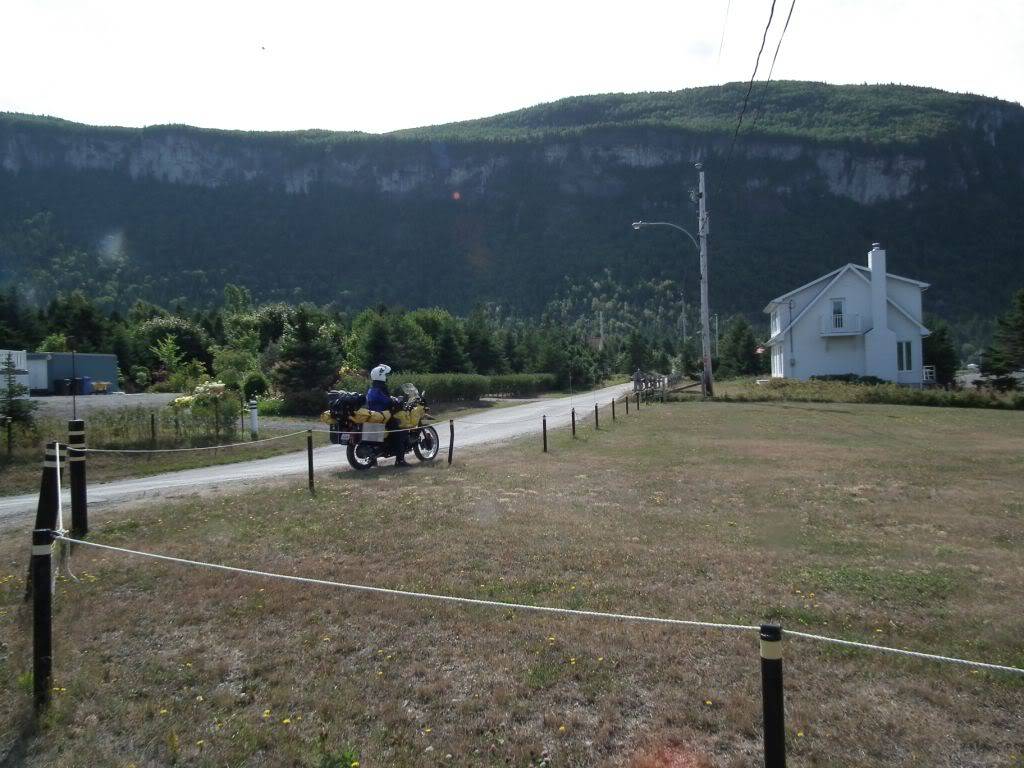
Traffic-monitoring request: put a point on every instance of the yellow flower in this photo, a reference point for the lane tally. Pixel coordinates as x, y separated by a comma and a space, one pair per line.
800, 734
561, 729
266, 713
287, 721
355, 764
200, 743
707, 702
163, 711
572, 661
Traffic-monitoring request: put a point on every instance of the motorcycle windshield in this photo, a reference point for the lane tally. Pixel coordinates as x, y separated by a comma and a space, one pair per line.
410, 391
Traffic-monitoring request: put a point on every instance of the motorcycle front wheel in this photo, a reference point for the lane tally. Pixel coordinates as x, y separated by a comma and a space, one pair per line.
426, 447
355, 460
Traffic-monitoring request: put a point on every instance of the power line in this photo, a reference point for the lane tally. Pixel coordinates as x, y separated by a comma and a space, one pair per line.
764, 91
750, 87
725, 22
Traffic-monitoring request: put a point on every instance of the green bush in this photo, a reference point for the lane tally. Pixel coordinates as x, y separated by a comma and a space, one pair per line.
255, 385
521, 384
270, 406
445, 387
841, 392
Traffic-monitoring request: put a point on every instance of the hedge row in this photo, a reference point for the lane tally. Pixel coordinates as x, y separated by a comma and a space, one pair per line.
839, 392
450, 387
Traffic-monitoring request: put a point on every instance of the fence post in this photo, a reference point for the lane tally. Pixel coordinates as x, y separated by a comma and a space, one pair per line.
638, 402
76, 459
626, 398
309, 460
597, 418
254, 419
152, 428
771, 694
41, 571
544, 429
451, 439
613, 409
573, 414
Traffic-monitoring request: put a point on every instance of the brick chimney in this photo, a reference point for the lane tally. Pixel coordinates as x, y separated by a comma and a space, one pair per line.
880, 341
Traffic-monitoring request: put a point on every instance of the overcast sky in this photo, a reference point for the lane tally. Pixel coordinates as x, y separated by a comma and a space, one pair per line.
379, 66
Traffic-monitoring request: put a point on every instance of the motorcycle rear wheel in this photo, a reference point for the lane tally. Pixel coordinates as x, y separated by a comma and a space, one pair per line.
426, 447
355, 461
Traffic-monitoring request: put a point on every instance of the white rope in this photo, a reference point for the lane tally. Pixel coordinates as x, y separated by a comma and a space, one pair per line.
200, 448
540, 608
900, 651
421, 595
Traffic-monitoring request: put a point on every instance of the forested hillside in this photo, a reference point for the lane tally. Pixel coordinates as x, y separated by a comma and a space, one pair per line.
515, 208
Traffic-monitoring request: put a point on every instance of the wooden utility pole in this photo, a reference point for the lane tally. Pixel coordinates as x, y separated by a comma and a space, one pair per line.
702, 233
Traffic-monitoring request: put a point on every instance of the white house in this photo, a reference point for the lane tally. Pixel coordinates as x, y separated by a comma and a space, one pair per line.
855, 319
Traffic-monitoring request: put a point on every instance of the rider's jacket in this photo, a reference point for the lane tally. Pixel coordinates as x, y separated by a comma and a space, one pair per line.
377, 397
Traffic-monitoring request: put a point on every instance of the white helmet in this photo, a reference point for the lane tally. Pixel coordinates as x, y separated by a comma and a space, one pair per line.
380, 373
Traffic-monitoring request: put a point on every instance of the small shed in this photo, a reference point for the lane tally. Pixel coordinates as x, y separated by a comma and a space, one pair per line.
54, 372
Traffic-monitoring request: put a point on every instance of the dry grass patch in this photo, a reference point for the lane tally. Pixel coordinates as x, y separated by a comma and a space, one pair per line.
681, 511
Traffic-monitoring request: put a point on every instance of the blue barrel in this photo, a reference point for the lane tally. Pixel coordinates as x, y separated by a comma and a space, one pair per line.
87, 385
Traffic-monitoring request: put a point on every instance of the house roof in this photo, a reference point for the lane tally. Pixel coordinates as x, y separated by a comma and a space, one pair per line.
861, 270
835, 275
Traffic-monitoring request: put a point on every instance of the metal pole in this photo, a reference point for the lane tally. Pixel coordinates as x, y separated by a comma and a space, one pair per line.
74, 385
451, 439
309, 458
702, 231
772, 698
76, 458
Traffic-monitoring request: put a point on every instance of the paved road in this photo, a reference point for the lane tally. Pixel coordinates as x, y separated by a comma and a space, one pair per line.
497, 426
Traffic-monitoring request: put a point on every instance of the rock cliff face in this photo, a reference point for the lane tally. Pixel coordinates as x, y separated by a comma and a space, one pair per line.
196, 158
293, 215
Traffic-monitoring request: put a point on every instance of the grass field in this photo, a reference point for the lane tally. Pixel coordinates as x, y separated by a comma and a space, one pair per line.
891, 524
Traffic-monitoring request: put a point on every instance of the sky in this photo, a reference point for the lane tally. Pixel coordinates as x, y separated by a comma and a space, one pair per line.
381, 66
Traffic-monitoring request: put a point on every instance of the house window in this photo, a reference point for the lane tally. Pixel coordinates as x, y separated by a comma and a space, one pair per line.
775, 322
904, 361
837, 314
778, 366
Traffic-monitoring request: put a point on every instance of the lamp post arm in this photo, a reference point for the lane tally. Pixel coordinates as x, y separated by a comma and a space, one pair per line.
669, 224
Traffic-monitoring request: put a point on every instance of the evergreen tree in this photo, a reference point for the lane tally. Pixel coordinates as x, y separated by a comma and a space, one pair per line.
307, 365
450, 357
1006, 354
737, 354
938, 350
372, 342
13, 404
482, 346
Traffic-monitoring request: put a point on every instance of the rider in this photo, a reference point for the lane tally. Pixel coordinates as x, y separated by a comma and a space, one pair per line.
378, 399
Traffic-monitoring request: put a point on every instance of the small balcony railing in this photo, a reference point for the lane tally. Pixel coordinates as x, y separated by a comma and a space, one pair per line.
838, 325
928, 374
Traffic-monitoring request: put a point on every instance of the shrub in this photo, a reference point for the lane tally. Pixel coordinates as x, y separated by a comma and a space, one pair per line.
445, 387
270, 406
255, 384
822, 391
521, 384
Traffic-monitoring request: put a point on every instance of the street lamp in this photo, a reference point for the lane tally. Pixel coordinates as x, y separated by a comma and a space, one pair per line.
706, 378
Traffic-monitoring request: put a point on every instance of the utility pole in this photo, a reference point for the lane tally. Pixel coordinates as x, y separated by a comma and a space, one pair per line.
600, 338
702, 232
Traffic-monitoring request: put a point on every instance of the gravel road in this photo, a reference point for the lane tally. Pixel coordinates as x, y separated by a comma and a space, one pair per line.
476, 430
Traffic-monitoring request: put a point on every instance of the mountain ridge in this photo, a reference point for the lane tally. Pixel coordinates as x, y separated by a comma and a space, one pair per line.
463, 209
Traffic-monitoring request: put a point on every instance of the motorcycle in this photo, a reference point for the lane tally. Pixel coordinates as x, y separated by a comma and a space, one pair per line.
364, 432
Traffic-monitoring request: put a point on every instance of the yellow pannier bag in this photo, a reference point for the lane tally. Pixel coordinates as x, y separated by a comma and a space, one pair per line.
409, 419
326, 417
366, 416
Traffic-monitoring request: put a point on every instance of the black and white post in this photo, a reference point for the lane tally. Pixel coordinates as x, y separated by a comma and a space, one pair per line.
79, 494
772, 697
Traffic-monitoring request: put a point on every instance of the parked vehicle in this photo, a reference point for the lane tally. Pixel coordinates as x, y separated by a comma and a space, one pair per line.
364, 432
